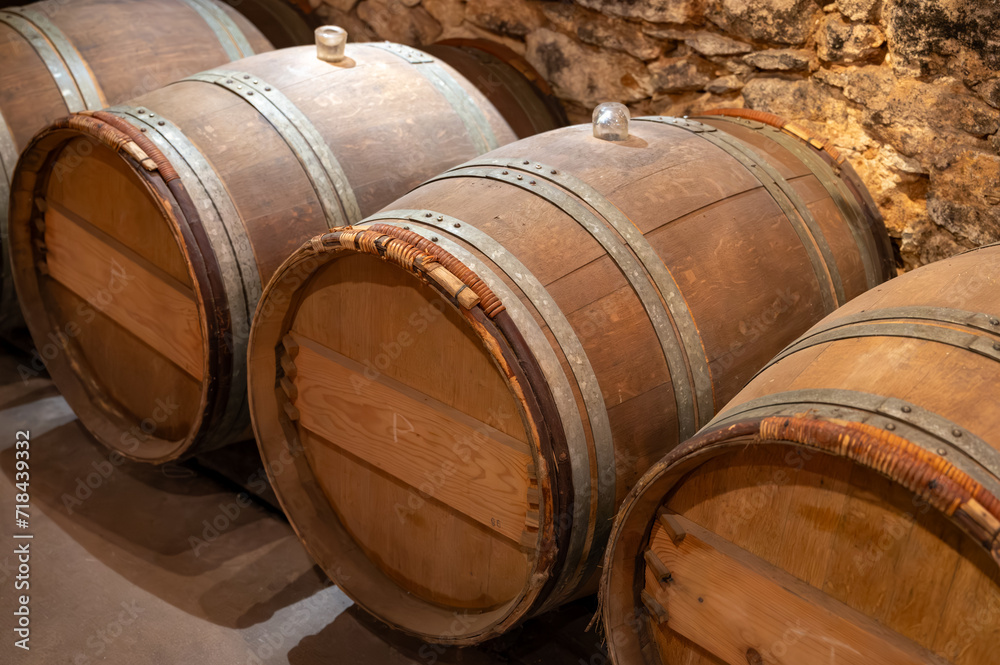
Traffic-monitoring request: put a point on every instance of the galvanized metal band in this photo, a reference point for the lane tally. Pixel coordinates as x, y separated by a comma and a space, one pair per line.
675, 328
794, 208
927, 429
687, 414
58, 69
975, 320
989, 323
87, 85
632, 269
314, 154
928, 331
834, 186
583, 373
232, 39
477, 126
9, 311
229, 240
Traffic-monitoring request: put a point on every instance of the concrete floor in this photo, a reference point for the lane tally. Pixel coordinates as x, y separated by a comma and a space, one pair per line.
117, 575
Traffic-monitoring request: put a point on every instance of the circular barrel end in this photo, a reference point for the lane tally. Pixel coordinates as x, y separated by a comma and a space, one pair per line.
817, 528
102, 264
400, 433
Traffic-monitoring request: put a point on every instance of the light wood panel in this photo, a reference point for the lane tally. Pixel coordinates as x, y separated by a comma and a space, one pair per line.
159, 312
848, 532
424, 546
730, 603
428, 445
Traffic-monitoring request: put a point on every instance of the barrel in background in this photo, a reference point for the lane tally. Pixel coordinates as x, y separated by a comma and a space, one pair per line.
454, 395
64, 57
843, 507
508, 80
142, 235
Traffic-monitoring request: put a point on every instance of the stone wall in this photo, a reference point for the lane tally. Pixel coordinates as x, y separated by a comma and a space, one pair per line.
909, 89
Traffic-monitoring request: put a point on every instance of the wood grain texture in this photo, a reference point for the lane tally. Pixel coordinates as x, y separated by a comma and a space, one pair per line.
706, 218
161, 313
426, 444
424, 546
857, 534
731, 602
370, 111
129, 46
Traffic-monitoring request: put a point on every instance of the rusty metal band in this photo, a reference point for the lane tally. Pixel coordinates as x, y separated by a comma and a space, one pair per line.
791, 204
675, 327
551, 367
89, 90
230, 37
229, 240
9, 311
927, 429
313, 153
929, 331
477, 126
58, 69
834, 186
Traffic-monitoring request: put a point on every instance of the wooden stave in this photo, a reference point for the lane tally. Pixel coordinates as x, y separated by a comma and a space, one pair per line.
954, 452
69, 24
218, 424
268, 438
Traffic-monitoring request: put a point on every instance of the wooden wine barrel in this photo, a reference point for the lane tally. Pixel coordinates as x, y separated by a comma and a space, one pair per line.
142, 236
285, 23
478, 374
61, 57
843, 508
508, 80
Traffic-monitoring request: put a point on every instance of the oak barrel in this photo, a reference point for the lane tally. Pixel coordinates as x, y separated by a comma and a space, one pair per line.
843, 508
508, 80
478, 374
61, 57
142, 235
